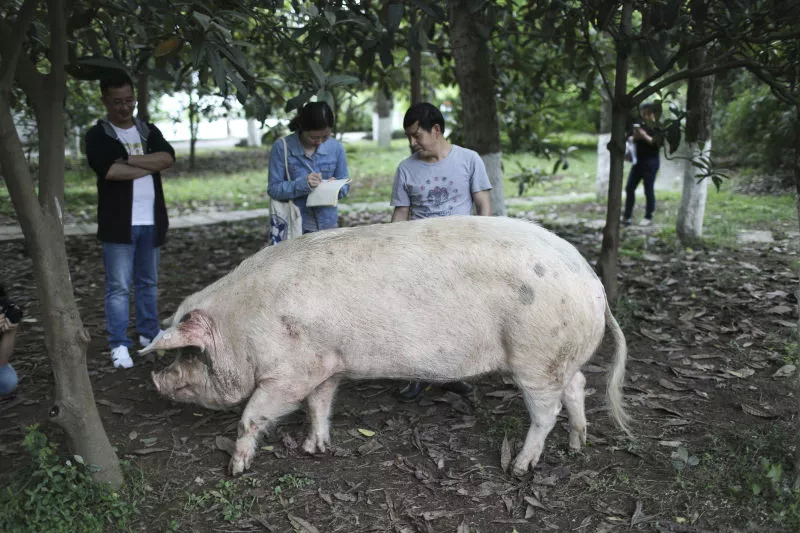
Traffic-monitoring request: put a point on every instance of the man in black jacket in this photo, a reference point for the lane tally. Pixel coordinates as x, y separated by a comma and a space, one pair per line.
127, 156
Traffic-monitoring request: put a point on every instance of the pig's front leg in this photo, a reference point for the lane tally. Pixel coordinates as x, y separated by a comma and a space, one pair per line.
320, 402
269, 402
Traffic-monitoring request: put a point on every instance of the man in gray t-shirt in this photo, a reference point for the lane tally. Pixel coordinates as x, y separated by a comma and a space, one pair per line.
438, 179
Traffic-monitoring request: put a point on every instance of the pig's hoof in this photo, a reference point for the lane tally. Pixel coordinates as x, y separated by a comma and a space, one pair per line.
238, 465
312, 446
577, 438
522, 466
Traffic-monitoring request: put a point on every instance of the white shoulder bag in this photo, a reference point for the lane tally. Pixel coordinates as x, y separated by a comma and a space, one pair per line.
285, 220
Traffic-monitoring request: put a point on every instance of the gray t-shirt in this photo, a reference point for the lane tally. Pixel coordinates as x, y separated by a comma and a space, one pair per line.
440, 189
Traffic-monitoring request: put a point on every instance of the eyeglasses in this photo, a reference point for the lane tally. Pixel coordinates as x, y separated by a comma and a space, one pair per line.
123, 103
320, 138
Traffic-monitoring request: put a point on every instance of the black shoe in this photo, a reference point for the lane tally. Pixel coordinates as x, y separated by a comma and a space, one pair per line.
411, 391
459, 387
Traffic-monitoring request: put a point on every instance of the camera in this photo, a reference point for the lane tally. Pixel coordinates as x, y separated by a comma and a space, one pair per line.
11, 310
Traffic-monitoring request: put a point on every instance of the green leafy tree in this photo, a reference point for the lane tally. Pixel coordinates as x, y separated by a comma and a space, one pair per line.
43, 42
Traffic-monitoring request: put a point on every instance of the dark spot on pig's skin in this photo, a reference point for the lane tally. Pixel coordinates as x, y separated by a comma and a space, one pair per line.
539, 269
556, 367
526, 294
290, 326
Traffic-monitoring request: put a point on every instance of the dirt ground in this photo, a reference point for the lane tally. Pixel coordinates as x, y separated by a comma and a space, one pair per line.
709, 333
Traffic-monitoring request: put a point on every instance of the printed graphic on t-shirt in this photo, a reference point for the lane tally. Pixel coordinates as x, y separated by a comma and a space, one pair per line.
438, 192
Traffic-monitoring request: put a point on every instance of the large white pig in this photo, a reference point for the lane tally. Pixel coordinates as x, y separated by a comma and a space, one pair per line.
441, 299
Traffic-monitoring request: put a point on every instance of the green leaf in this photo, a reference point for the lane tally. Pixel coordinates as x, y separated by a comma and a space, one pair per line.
330, 16
317, 71
327, 55
217, 68
202, 19
394, 14
338, 80
297, 101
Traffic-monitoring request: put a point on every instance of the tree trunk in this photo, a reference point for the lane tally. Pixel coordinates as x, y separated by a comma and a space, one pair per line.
797, 289
65, 338
607, 266
383, 108
689, 225
415, 59
143, 97
481, 127
253, 139
603, 138
193, 127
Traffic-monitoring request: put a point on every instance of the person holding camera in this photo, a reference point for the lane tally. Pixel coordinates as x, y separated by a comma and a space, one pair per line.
10, 316
647, 141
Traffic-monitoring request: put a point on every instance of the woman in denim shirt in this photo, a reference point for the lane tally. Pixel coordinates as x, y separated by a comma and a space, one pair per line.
313, 156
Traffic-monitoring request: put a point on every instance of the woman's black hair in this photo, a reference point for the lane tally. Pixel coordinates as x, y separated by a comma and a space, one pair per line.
313, 116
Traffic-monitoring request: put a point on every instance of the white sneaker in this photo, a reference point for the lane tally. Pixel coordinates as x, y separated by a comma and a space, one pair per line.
145, 342
646, 222
121, 358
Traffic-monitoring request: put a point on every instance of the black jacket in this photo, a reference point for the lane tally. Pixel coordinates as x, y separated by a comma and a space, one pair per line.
115, 198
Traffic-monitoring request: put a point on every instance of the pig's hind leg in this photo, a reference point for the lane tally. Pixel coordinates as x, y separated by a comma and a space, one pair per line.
543, 408
320, 402
573, 399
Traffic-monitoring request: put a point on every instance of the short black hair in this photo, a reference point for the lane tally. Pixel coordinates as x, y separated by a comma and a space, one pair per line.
313, 116
654, 107
425, 114
114, 80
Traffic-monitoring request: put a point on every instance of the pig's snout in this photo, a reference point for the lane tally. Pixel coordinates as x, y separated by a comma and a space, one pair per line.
165, 382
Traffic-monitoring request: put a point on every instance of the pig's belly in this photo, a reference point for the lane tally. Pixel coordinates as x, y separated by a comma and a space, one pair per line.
425, 362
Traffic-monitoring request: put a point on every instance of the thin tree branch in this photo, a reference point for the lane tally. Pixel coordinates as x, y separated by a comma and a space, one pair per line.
27, 77
775, 85
682, 51
597, 60
682, 75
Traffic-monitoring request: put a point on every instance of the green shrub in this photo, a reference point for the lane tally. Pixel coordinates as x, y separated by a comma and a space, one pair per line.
751, 125
56, 495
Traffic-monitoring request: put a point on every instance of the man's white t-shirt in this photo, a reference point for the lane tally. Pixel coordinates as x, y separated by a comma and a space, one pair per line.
144, 194
442, 188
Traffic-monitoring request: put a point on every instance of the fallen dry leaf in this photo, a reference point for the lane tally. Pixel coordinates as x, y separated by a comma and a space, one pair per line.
784, 371
755, 411
505, 454
301, 525
667, 384
779, 310
225, 444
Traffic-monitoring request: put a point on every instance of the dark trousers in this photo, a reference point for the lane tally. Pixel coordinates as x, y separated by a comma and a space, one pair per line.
644, 170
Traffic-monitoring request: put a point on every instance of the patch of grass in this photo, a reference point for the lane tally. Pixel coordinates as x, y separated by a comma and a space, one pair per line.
56, 495
747, 471
625, 310
228, 497
288, 485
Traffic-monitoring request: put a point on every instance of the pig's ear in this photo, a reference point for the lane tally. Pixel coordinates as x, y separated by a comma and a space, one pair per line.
194, 329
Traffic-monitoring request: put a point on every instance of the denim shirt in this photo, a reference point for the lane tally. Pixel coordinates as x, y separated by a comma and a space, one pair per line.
329, 160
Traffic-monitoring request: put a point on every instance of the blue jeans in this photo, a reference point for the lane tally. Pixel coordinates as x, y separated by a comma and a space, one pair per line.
122, 262
8, 379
